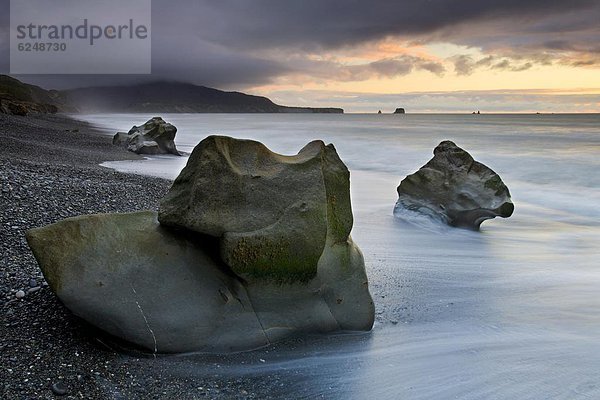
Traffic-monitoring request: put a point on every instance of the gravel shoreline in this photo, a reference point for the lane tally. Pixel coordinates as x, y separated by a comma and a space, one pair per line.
49, 171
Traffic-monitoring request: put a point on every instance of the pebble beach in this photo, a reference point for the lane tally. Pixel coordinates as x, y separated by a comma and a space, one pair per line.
49, 172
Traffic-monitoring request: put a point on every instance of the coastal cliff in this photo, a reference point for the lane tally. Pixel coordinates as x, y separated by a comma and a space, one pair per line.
18, 98
159, 97
175, 97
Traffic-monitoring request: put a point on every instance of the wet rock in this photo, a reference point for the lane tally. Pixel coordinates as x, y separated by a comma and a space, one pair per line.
267, 254
456, 189
59, 389
273, 212
154, 137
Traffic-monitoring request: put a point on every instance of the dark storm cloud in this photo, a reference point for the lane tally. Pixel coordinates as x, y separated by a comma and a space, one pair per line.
179, 52
335, 23
242, 43
4, 38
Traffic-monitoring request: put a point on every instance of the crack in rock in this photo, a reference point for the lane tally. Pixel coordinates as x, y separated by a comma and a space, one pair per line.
146, 322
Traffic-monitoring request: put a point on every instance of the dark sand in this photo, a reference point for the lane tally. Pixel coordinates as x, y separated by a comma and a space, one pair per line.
47, 174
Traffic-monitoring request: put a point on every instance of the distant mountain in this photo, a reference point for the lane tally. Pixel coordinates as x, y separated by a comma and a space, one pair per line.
157, 97
174, 97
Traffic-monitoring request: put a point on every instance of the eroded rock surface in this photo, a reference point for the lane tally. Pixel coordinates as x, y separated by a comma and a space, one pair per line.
253, 247
456, 189
273, 212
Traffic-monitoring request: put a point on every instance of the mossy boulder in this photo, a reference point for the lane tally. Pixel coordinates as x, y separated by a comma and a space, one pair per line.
169, 292
264, 253
455, 189
273, 213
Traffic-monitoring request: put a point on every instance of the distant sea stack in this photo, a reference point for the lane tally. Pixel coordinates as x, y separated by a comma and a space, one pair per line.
400, 110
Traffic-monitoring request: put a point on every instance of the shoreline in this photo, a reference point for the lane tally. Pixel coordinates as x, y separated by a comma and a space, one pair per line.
50, 171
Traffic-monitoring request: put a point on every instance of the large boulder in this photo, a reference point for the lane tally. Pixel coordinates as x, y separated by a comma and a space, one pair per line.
273, 212
283, 223
255, 247
455, 189
154, 137
127, 275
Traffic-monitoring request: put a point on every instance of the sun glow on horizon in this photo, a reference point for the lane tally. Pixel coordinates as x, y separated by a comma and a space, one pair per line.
393, 67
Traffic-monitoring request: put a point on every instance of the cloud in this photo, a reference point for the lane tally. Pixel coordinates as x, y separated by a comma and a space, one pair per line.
585, 63
392, 67
522, 67
239, 43
463, 65
433, 67
305, 68
335, 23
4, 35
466, 65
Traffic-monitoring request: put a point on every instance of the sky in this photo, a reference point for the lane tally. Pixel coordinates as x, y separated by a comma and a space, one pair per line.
365, 56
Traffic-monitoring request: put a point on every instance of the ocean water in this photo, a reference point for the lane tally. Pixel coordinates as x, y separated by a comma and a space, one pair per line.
511, 312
